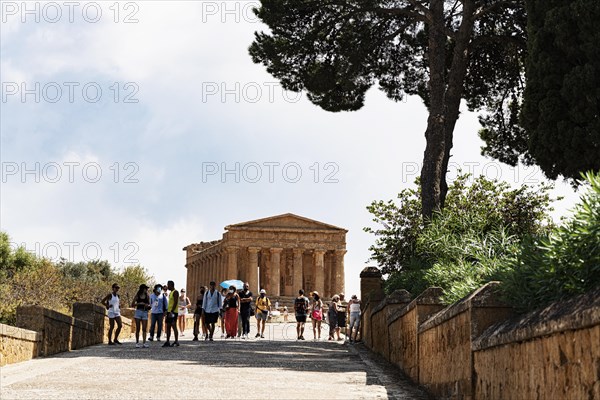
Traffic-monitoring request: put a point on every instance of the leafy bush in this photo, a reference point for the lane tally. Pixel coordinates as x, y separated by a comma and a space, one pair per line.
562, 264
27, 279
463, 246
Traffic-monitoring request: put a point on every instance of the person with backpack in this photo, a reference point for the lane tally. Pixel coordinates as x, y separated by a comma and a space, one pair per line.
333, 317
158, 302
112, 303
301, 305
316, 314
263, 308
211, 305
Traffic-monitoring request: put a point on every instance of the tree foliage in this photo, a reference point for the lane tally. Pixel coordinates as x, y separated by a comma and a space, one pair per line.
440, 50
29, 280
557, 126
465, 244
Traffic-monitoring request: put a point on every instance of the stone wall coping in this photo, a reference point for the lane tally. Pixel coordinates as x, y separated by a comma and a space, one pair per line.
20, 333
60, 317
370, 272
484, 297
90, 307
400, 296
430, 296
577, 313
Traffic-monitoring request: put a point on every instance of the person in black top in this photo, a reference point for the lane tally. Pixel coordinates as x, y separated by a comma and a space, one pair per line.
199, 315
141, 302
245, 309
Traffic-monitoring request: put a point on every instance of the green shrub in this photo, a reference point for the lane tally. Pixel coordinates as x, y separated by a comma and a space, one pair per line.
562, 264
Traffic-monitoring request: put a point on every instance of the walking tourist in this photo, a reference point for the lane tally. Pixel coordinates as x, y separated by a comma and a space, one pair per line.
301, 306
232, 310
171, 320
222, 312
342, 312
184, 304
158, 301
211, 306
141, 303
354, 310
245, 309
112, 303
263, 308
316, 314
285, 314
198, 315
332, 318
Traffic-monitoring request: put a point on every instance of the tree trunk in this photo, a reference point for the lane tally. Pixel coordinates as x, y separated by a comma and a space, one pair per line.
443, 117
433, 159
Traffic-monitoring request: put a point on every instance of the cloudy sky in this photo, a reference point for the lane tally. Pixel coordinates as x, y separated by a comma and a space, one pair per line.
131, 129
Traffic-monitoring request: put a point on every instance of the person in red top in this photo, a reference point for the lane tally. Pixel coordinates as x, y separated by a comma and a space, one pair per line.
232, 311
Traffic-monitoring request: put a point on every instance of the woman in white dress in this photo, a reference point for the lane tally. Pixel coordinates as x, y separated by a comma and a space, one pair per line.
184, 304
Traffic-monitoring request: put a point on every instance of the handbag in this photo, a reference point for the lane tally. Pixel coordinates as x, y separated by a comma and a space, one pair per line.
251, 310
316, 314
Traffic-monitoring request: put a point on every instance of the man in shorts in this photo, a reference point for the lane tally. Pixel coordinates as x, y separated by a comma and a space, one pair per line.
171, 320
301, 305
263, 308
211, 306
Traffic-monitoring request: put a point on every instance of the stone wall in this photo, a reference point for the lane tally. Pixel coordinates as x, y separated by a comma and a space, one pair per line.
59, 332
479, 349
403, 325
553, 353
444, 343
43, 332
18, 344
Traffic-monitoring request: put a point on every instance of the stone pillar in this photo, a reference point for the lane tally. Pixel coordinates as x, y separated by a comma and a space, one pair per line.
371, 285
275, 272
232, 271
298, 270
320, 272
253, 269
188, 278
338, 276
213, 267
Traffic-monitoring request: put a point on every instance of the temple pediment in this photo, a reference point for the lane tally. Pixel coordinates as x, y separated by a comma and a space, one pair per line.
285, 221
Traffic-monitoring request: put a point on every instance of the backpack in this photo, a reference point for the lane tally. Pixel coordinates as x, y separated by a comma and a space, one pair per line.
300, 306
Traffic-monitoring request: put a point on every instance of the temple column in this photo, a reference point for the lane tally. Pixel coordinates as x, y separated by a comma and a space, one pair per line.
320, 272
253, 269
275, 272
338, 280
232, 271
203, 274
213, 267
298, 273
188, 278
222, 266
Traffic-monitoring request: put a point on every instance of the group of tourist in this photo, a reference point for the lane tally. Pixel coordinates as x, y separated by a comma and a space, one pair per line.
230, 308
336, 316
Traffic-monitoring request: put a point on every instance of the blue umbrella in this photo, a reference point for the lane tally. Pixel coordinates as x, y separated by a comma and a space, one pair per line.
239, 285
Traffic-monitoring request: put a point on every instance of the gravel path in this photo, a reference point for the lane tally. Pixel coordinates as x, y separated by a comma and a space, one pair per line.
277, 367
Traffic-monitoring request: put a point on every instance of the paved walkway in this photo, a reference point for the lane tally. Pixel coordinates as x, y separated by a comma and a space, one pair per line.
277, 367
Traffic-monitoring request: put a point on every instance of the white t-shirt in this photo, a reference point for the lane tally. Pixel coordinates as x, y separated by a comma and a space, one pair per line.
355, 307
